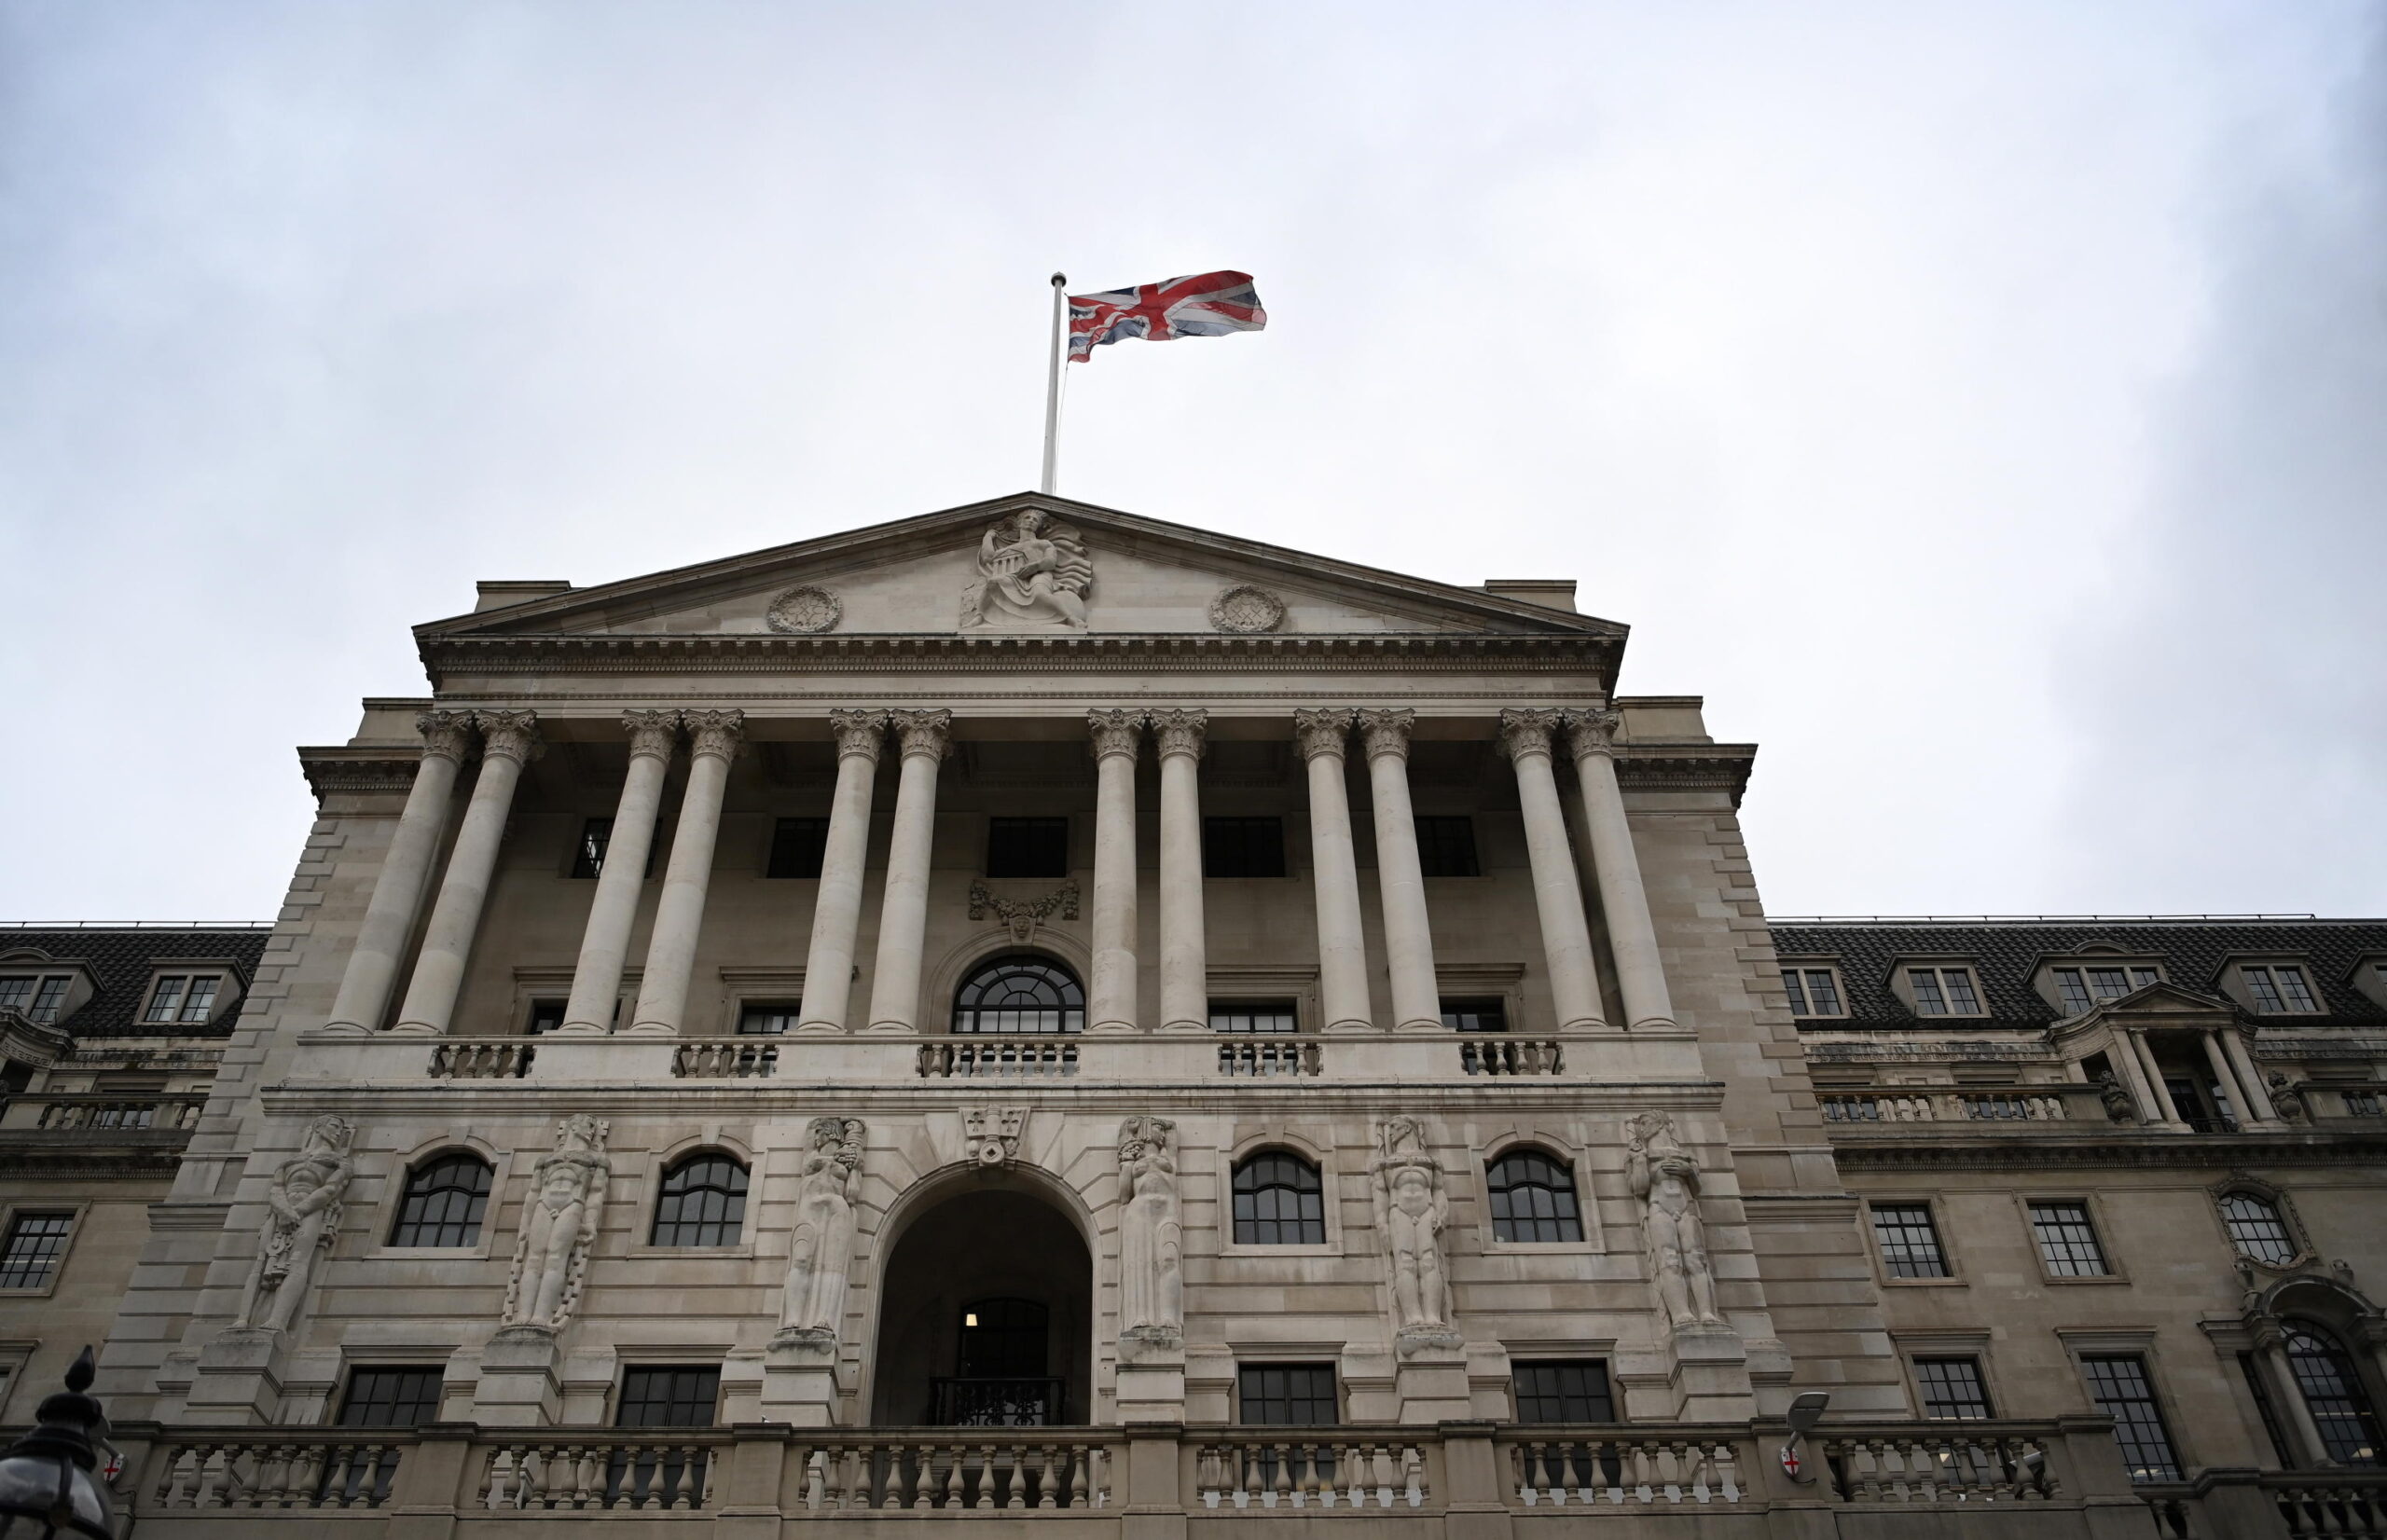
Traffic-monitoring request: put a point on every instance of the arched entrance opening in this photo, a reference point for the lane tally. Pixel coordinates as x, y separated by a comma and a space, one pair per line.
987, 1316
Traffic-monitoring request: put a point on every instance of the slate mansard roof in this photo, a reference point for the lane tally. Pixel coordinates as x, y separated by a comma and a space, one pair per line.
2006, 953
122, 958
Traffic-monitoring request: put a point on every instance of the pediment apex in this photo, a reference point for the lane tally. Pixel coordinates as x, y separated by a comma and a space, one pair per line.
912, 576
2163, 999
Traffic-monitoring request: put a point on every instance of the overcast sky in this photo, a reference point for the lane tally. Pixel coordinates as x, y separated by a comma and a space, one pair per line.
1983, 405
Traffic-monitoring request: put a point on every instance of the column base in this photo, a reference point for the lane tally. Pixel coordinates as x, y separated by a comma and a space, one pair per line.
346, 1029
580, 1029
1185, 1029
1421, 1025
1354, 1027
1655, 1023
1111, 1029
650, 1029
417, 1029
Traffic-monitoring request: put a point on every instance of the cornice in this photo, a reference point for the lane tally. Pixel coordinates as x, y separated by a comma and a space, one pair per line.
357, 769
1679, 767
2150, 1151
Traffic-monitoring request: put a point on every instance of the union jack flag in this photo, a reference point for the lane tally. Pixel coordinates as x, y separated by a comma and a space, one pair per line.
1206, 305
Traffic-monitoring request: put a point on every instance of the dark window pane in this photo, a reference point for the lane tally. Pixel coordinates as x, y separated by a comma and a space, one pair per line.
1020, 995
2332, 1392
1278, 1200
1925, 982
35, 1242
167, 998
2075, 993
2141, 977
2067, 1241
1962, 1000
1004, 1340
1951, 1387
1446, 847
702, 1203
1475, 1015
49, 998
2293, 988
2108, 984
2120, 1389
1909, 1243
1027, 847
1243, 848
2256, 1228
443, 1203
668, 1397
2258, 983
1798, 995
1565, 1391
545, 1016
200, 1003
1822, 991
1532, 1199
1287, 1394
589, 858
1270, 1016
766, 1020
391, 1398
796, 847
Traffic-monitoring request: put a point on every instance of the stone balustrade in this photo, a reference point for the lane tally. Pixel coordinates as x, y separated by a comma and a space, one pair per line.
1976, 1461
1259, 1057
1504, 1056
1000, 1056
1624, 1470
1302, 1469
725, 1058
97, 1110
483, 1059
1872, 1108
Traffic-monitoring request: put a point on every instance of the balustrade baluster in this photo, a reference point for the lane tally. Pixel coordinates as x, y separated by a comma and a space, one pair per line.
1048, 1481
986, 1475
1080, 1467
1016, 1495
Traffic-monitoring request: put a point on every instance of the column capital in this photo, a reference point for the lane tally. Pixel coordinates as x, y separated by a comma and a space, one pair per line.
1180, 729
1115, 731
509, 735
718, 732
1385, 730
1321, 730
446, 735
1591, 731
858, 733
653, 734
1527, 730
928, 732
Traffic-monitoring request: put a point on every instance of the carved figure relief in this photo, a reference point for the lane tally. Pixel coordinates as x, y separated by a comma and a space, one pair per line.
1412, 1208
812, 1304
1152, 1284
1665, 1179
1245, 611
302, 1216
990, 1135
1033, 574
804, 611
1023, 914
559, 1225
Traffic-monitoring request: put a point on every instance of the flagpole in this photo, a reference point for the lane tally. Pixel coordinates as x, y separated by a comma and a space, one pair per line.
1053, 381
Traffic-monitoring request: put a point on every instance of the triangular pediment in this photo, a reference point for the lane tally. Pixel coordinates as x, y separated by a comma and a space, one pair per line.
1097, 572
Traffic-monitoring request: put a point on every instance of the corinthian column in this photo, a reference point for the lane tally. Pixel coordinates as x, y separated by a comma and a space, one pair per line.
509, 740
1342, 946
1565, 936
606, 944
1640, 976
903, 913
1407, 941
836, 908
713, 738
1116, 737
397, 893
1184, 945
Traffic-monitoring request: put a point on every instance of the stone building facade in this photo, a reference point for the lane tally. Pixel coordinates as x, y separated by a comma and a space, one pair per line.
1030, 1008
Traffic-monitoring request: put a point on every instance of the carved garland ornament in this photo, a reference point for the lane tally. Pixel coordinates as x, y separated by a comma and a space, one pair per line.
804, 611
1023, 916
1245, 611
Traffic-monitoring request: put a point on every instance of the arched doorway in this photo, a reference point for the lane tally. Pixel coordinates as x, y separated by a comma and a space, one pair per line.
988, 1315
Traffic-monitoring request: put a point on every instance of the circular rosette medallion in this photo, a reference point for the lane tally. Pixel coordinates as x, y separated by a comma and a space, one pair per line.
1246, 610
804, 611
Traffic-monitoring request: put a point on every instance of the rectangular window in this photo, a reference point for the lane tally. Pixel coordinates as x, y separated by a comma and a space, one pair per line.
1908, 1241
1243, 848
2119, 1385
545, 1016
391, 1398
30, 1253
2279, 989
1475, 1015
2084, 988
1944, 991
2293, 988
1572, 1390
1814, 992
766, 1021
1268, 1016
1953, 1389
2067, 1241
49, 998
1446, 847
1299, 1395
166, 997
2361, 1104
1027, 847
200, 1003
36, 998
797, 845
589, 858
676, 1397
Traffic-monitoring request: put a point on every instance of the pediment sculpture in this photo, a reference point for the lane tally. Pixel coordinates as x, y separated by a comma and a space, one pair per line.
1033, 575
559, 1226
302, 1217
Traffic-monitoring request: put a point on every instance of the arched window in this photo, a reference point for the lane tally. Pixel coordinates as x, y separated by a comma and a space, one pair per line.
1020, 994
2257, 1229
2333, 1394
1279, 1202
702, 1203
1533, 1198
443, 1203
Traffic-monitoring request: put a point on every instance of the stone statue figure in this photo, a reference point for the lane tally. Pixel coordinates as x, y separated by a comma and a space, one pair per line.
1666, 1178
1033, 573
302, 1216
2119, 1106
1412, 1207
812, 1306
559, 1225
1151, 1284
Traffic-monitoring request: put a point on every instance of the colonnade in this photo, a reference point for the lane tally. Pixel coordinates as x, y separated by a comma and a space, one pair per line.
2225, 1056
509, 740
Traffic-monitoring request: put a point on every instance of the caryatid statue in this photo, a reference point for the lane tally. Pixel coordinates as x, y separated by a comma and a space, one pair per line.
1666, 1180
812, 1306
302, 1217
1032, 573
1412, 1207
559, 1225
1152, 1280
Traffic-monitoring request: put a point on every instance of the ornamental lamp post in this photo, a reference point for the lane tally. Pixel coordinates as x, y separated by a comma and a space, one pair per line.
47, 1489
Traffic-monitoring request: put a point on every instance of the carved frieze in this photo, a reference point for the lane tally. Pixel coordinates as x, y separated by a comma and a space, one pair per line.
990, 1135
1023, 914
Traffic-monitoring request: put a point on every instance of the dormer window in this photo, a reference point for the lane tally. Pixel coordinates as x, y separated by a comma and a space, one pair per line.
36, 997
182, 999
1943, 992
2278, 988
2085, 987
1814, 992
